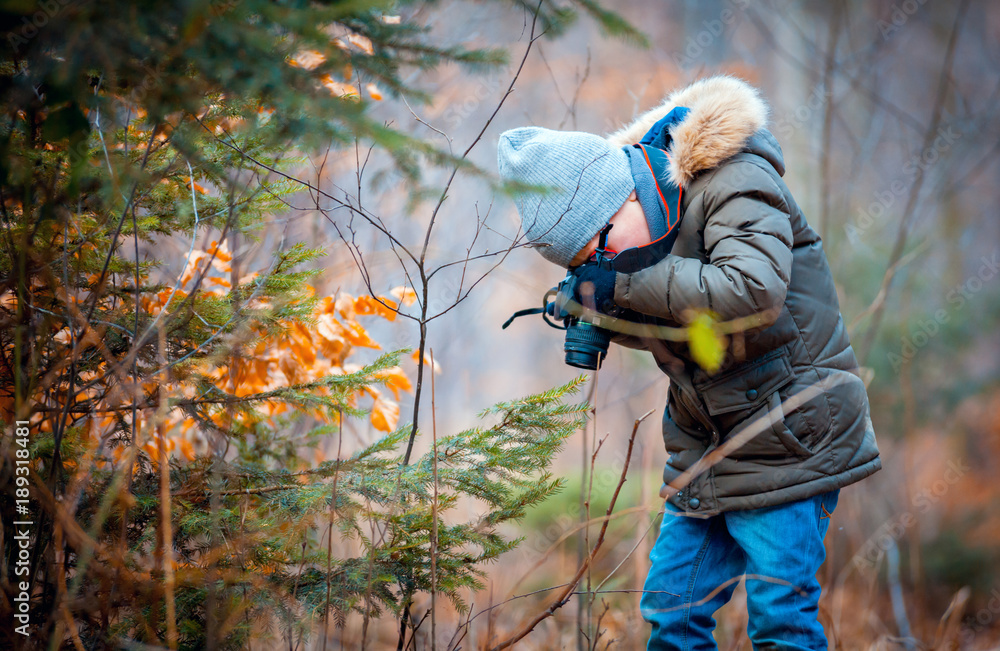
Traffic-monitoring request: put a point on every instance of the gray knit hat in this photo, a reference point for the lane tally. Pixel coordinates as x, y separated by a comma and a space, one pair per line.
591, 179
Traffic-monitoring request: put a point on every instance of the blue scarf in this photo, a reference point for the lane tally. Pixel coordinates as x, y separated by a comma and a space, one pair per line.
650, 174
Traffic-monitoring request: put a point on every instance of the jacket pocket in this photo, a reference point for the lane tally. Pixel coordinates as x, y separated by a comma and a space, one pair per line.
785, 435
745, 387
770, 441
749, 396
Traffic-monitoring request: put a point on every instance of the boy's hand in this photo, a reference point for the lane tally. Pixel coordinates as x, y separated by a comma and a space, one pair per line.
595, 287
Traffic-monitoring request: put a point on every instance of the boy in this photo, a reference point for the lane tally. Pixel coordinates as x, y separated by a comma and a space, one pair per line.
788, 388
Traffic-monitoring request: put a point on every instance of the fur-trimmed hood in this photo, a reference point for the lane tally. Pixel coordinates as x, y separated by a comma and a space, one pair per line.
726, 114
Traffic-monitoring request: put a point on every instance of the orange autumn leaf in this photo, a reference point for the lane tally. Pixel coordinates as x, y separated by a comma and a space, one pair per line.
374, 92
382, 306
331, 340
385, 414
193, 266
327, 327
152, 448
197, 186
404, 295
187, 449
301, 345
335, 350
396, 380
222, 258
339, 88
326, 305
357, 336
345, 306
363, 43
289, 366
307, 59
428, 360
221, 251
260, 367
303, 352
179, 295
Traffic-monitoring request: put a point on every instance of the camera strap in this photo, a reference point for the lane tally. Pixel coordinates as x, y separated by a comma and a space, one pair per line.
527, 312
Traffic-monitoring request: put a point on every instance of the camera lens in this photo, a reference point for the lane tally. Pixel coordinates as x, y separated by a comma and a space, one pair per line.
586, 345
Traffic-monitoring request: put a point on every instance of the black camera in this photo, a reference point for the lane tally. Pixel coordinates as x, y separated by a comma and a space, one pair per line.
587, 338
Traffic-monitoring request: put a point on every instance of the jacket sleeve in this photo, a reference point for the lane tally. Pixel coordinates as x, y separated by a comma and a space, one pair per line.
748, 240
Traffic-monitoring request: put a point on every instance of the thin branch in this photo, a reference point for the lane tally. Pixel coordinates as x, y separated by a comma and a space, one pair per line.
883, 291
825, 149
631, 551
434, 516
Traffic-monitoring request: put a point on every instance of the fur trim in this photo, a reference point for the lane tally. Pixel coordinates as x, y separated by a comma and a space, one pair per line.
725, 112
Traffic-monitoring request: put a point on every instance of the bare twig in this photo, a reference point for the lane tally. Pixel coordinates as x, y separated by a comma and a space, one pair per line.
828, 71
329, 533
883, 292
434, 516
631, 551
166, 530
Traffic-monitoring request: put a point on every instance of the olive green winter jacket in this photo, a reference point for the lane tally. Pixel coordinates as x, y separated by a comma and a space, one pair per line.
787, 415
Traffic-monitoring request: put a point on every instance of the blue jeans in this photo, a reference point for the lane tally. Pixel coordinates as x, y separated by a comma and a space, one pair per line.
697, 562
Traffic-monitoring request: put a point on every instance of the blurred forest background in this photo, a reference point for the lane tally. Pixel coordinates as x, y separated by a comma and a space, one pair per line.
885, 110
